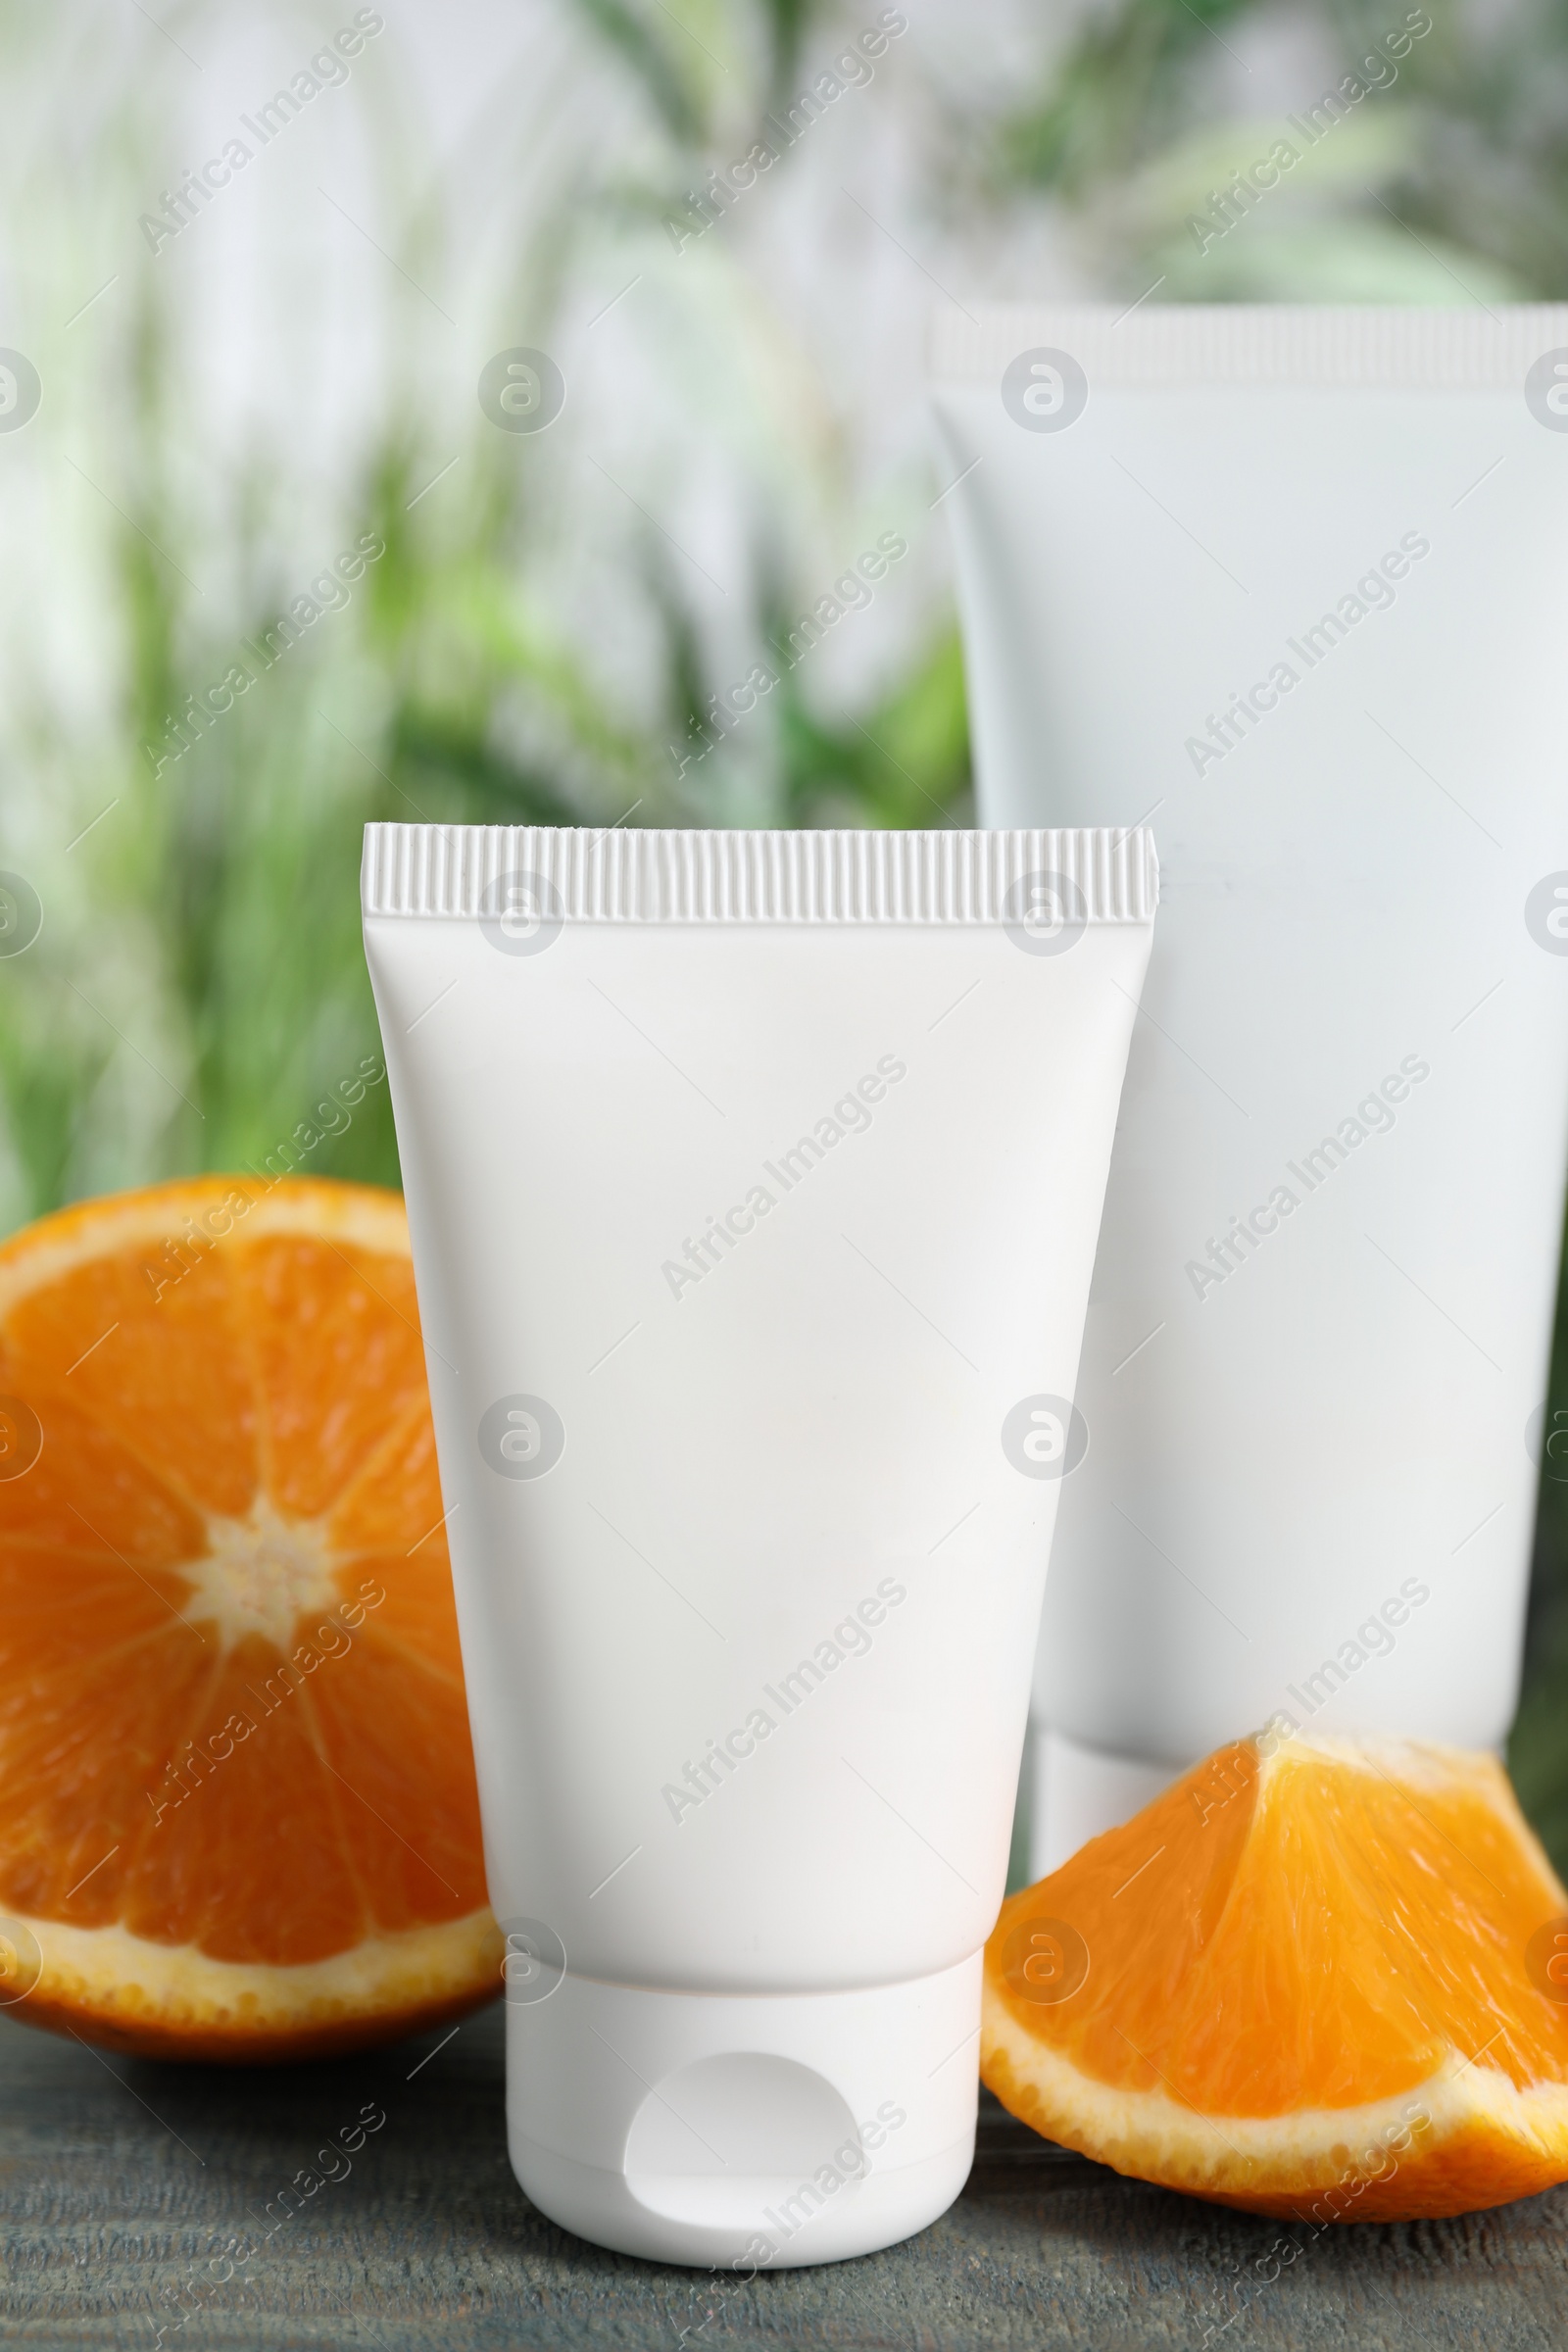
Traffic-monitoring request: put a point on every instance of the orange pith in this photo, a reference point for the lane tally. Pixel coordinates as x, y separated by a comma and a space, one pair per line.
1307, 1980
238, 1807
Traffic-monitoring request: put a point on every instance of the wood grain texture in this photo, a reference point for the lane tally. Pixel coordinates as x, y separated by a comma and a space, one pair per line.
121, 2183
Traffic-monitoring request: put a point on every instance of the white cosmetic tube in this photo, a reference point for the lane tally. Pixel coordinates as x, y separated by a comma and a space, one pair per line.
1298, 580
752, 1182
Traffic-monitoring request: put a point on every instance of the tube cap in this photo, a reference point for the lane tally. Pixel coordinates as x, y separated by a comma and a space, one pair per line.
756, 2131
1079, 1791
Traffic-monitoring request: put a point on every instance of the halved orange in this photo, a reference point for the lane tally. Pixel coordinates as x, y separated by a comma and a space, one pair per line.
1318, 1978
238, 1807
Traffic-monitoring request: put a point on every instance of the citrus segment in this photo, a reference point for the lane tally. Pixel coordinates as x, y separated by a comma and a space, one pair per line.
238, 1807
1306, 1973
86, 1493
356, 1310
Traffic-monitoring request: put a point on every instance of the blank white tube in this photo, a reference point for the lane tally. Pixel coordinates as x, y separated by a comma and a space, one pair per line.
1296, 581
752, 1182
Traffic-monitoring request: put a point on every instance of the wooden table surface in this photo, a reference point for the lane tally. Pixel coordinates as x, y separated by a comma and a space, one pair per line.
133, 2194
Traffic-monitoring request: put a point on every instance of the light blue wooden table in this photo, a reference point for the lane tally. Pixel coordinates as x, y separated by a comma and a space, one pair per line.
129, 2190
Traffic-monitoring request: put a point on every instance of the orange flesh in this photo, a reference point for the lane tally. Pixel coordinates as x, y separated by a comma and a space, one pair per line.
237, 1469
1325, 1931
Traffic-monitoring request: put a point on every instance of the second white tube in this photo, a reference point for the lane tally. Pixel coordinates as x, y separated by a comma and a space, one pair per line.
1298, 582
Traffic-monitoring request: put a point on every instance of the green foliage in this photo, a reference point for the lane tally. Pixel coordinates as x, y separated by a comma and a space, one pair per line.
1124, 86
904, 764
1446, 182
1537, 1746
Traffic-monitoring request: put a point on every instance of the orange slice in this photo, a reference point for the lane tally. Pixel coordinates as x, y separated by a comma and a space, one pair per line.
237, 1806
1319, 1978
